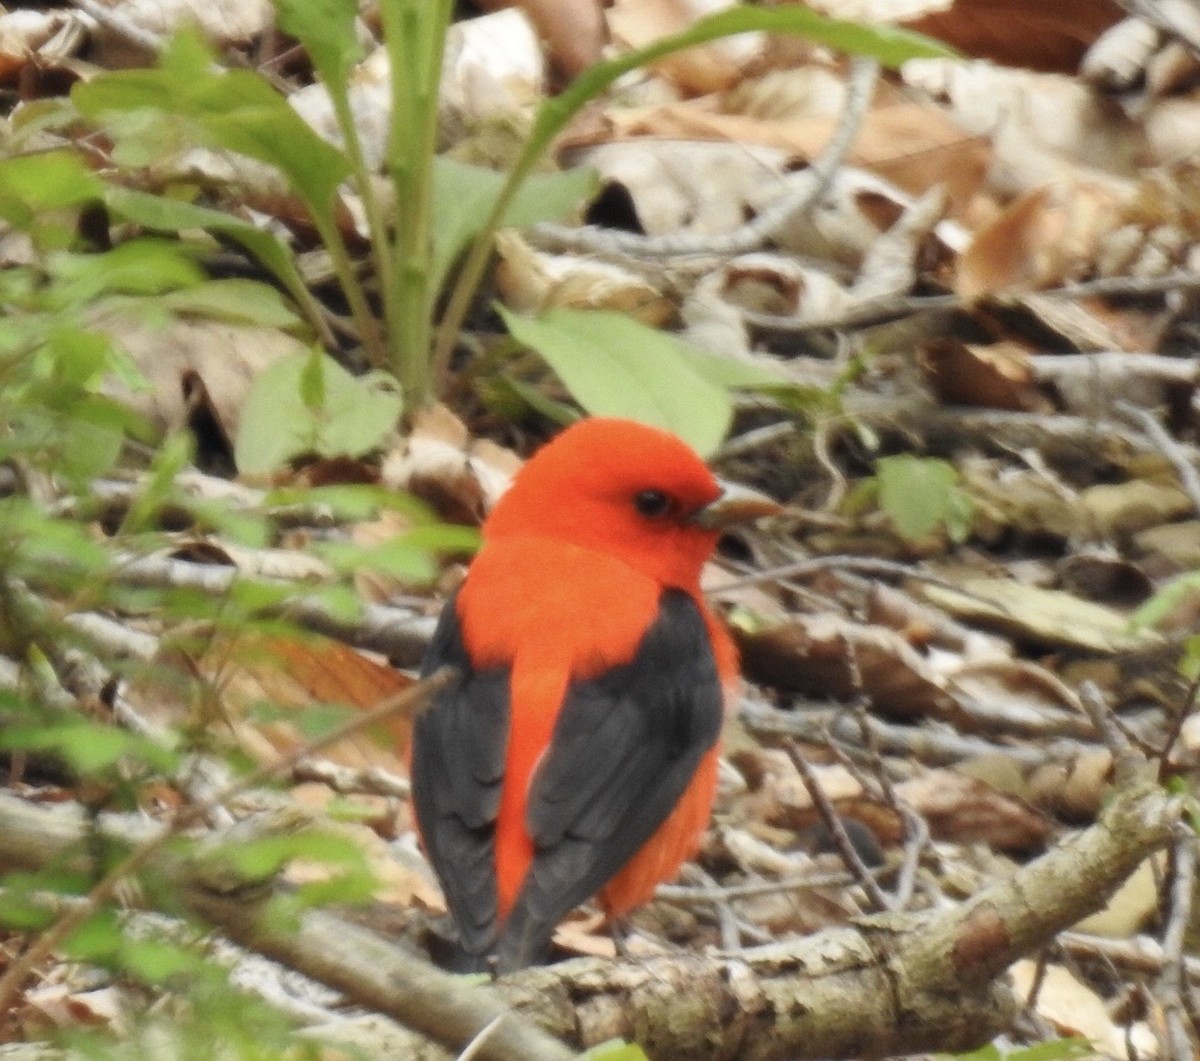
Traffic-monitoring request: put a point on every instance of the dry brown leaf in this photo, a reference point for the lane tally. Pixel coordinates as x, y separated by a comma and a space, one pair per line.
184, 354
1029, 33
458, 477
1072, 1008
1073, 790
910, 144
811, 654
1131, 907
1178, 544
699, 185
1120, 509
1014, 687
1044, 616
997, 376
1048, 237
222, 21
63, 1006
300, 673
532, 281
962, 809
1040, 127
42, 39
707, 68
495, 69
573, 31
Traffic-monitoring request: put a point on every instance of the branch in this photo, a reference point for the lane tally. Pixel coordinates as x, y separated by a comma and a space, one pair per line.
886, 984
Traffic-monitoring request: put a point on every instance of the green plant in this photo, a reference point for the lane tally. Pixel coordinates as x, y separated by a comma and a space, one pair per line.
921, 495
439, 209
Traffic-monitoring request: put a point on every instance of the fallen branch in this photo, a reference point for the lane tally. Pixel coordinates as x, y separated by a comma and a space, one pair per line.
885, 984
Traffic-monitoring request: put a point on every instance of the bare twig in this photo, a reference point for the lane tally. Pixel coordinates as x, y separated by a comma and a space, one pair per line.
805, 190
103, 891
1185, 468
1170, 989
837, 831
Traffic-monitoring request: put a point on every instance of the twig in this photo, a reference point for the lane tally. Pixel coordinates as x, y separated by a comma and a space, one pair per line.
399, 634
837, 831
1175, 722
805, 190
409, 701
121, 25
1170, 988
1189, 478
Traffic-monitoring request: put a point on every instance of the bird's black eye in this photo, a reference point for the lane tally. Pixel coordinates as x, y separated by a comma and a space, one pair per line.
652, 503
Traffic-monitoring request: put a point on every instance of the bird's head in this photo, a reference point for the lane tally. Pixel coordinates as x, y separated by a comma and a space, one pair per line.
630, 491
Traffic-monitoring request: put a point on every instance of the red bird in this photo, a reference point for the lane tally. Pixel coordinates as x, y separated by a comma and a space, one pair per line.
576, 755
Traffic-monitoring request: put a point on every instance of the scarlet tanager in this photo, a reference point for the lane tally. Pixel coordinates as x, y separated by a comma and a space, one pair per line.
576, 754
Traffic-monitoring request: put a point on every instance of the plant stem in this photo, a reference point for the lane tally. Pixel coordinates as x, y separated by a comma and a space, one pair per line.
414, 32
364, 319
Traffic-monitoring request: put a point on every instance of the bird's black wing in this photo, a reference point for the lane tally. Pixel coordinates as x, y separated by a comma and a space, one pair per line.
625, 747
458, 754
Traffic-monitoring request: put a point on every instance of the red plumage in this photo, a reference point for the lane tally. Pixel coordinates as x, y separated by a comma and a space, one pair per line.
576, 756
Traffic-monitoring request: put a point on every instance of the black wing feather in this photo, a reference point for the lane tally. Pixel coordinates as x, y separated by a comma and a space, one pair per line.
626, 745
457, 769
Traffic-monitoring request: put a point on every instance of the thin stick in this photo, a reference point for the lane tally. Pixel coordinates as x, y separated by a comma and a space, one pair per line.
876, 895
408, 702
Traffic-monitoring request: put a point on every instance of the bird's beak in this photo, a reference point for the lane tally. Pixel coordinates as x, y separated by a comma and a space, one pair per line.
737, 504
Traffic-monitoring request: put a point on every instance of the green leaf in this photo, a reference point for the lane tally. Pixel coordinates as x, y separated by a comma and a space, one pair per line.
97, 939
1055, 1050
139, 267
312, 720
326, 29
233, 109
236, 300
88, 746
154, 961
731, 372
1166, 600
312, 382
889, 45
172, 215
31, 185
616, 366
351, 416
464, 195
920, 494
614, 1050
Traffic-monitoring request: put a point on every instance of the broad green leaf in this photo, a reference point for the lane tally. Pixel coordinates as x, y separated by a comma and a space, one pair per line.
88, 746
920, 494
326, 29
731, 372
353, 415
312, 382
172, 215
464, 195
233, 109
37, 183
1055, 1050
154, 961
351, 502
615, 366
97, 939
146, 266
238, 300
